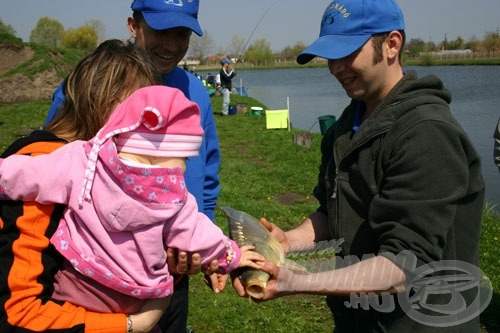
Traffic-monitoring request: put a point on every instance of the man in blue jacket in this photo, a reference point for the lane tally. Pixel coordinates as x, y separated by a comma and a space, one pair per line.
164, 29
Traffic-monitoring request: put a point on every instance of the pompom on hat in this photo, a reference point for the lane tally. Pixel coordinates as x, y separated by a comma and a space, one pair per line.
348, 24
167, 14
152, 121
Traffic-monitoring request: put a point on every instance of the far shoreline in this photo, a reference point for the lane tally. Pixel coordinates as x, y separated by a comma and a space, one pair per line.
427, 62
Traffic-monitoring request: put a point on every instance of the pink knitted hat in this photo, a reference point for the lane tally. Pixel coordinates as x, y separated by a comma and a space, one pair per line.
155, 121
152, 121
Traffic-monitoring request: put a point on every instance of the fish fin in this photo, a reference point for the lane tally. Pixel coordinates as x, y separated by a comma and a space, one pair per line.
294, 266
319, 250
238, 215
315, 265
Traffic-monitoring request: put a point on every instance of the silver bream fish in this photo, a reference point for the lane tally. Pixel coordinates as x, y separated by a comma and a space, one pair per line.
245, 229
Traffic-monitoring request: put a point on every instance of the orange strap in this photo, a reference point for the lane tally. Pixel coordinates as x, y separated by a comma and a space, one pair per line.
39, 148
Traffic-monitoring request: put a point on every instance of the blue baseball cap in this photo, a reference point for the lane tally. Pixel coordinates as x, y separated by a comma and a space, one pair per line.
348, 24
167, 14
225, 61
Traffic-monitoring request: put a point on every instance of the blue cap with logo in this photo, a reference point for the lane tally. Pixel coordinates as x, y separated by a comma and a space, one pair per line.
167, 14
348, 24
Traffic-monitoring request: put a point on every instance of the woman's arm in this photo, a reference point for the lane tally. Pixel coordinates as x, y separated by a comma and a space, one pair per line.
26, 279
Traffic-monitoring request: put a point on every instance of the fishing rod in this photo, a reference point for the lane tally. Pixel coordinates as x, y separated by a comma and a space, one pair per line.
255, 28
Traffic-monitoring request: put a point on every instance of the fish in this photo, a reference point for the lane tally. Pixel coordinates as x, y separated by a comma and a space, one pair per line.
245, 229
302, 259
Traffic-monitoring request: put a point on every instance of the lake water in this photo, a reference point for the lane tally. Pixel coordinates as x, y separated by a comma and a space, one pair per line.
313, 92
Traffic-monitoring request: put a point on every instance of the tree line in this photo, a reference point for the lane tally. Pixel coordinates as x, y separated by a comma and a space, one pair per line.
488, 47
51, 32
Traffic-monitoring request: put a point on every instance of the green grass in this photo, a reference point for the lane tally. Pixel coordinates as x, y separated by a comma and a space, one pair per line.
61, 60
265, 174
489, 252
428, 61
19, 119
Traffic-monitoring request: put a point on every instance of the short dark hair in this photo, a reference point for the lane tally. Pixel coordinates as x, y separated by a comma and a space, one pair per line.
138, 17
379, 39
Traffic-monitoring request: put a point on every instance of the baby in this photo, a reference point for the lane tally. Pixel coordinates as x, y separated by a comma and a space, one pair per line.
126, 203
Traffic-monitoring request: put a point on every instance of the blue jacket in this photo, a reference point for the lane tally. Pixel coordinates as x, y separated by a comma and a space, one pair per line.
202, 173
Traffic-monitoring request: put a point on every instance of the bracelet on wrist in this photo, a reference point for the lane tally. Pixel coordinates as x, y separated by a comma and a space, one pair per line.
130, 327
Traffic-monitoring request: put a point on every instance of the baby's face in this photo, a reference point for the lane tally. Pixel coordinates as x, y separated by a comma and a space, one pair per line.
169, 162
162, 162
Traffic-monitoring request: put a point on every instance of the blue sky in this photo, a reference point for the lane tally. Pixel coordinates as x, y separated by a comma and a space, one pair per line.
286, 22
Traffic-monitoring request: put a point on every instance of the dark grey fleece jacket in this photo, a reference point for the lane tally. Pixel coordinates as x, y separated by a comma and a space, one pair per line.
408, 180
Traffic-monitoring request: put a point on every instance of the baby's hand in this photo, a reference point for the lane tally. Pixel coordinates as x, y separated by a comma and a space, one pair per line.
250, 258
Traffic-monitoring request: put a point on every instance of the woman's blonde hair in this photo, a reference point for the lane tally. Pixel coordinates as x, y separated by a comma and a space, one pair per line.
100, 81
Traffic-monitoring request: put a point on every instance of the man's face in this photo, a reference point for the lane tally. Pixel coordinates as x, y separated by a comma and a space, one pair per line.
165, 47
360, 76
